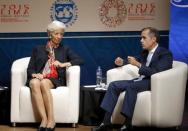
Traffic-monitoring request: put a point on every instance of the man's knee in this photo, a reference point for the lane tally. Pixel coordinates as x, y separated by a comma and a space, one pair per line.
113, 85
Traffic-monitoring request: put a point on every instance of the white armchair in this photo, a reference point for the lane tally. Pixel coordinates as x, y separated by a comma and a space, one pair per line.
163, 106
65, 99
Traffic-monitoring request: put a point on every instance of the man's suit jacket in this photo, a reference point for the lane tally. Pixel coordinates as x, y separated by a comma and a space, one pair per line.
39, 58
161, 60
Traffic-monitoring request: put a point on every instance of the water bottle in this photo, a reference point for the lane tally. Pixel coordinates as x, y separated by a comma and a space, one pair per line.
98, 77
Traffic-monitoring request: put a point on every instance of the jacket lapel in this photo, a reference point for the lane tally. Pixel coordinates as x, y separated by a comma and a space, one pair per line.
43, 61
155, 55
144, 56
59, 54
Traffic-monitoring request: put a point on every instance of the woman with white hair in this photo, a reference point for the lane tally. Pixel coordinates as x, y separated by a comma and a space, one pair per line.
46, 70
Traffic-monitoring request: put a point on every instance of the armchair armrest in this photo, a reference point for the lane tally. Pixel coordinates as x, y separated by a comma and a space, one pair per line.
18, 80
73, 78
126, 72
168, 94
73, 83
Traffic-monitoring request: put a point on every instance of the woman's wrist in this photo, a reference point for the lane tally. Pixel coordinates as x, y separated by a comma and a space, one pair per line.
66, 64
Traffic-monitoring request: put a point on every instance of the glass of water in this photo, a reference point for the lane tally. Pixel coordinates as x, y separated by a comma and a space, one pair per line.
103, 83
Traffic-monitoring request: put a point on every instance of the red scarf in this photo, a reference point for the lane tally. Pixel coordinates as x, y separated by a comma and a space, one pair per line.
50, 71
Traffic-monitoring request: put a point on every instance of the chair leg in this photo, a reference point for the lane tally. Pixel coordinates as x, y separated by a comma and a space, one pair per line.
178, 128
74, 125
14, 124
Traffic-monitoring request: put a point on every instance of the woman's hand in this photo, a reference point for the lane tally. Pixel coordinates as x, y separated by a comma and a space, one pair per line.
62, 65
38, 76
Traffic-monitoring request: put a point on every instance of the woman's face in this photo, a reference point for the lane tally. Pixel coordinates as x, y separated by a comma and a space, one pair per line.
56, 36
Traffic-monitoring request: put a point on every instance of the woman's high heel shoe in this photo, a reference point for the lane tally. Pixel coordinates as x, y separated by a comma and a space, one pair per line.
51, 129
41, 129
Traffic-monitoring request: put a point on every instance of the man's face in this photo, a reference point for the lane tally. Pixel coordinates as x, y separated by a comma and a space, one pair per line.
147, 41
56, 36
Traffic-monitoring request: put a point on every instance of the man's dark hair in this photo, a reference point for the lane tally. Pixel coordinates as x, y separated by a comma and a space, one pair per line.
153, 33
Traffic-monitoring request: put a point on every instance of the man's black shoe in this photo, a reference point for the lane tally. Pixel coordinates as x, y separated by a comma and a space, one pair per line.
126, 125
123, 128
102, 127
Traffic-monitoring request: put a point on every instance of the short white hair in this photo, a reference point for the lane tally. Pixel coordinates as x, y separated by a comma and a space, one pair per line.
55, 25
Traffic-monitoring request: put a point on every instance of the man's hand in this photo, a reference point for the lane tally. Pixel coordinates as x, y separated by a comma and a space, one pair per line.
133, 61
118, 61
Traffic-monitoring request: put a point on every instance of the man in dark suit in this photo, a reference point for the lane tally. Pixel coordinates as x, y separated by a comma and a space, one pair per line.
152, 60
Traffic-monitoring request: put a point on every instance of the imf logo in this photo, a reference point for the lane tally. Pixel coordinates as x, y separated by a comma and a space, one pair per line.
65, 11
180, 3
